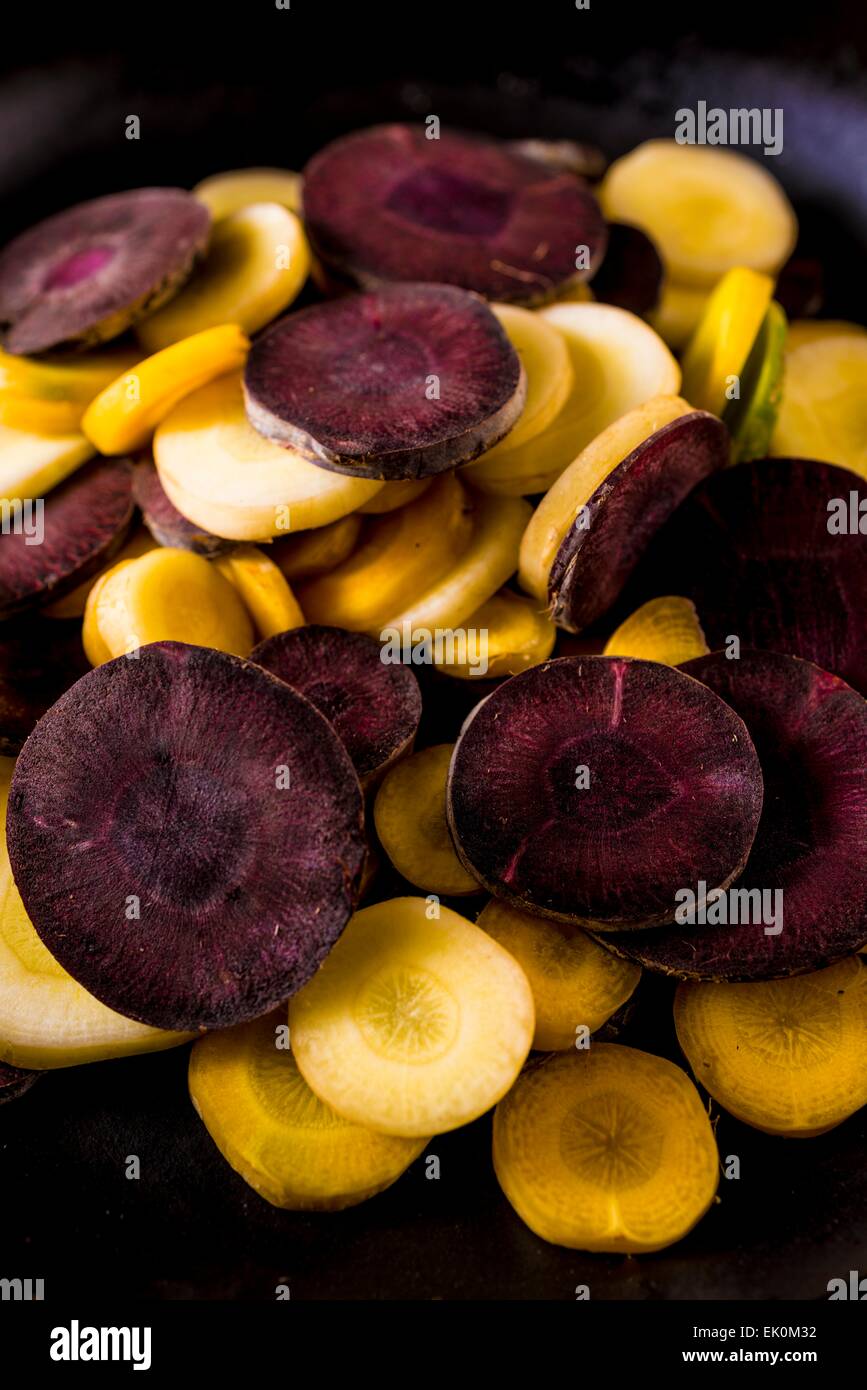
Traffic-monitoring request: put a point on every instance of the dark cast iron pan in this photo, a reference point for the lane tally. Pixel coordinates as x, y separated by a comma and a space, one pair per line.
236, 86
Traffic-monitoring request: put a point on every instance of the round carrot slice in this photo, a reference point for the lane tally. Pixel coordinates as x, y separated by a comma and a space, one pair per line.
417, 1022
165, 595
404, 382
390, 204
567, 796
186, 834
291, 1147
410, 816
707, 209
223, 476
32, 463
785, 1056
262, 588
576, 983
317, 551
718, 351
506, 635
82, 276
608, 1150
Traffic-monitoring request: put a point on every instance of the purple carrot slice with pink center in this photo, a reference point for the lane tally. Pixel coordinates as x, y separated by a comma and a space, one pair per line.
164, 521
388, 203
374, 706
185, 831
85, 521
810, 732
616, 524
569, 794
84, 275
772, 552
404, 382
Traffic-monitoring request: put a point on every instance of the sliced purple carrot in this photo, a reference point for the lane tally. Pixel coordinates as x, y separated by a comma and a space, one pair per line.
389, 204
801, 903
14, 1081
615, 526
85, 521
374, 706
630, 276
84, 275
186, 834
403, 382
569, 796
165, 522
39, 659
772, 552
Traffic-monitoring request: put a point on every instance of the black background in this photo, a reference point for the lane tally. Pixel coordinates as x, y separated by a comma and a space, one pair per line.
244, 84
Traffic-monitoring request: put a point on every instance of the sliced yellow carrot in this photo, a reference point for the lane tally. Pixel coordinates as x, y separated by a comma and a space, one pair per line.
545, 358
416, 1023
50, 395
316, 552
228, 192
785, 1056
394, 495
32, 464
229, 480
291, 1147
678, 313
508, 634
167, 595
263, 589
560, 506
577, 985
822, 414
47, 1019
707, 209
410, 817
399, 555
73, 604
124, 416
257, 262
606, 1150
487, 562
664, 629
718, 350
617, 362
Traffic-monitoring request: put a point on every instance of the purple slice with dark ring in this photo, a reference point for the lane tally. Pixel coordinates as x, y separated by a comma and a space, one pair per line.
387, 203
569, 796
403, 382
186, 833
